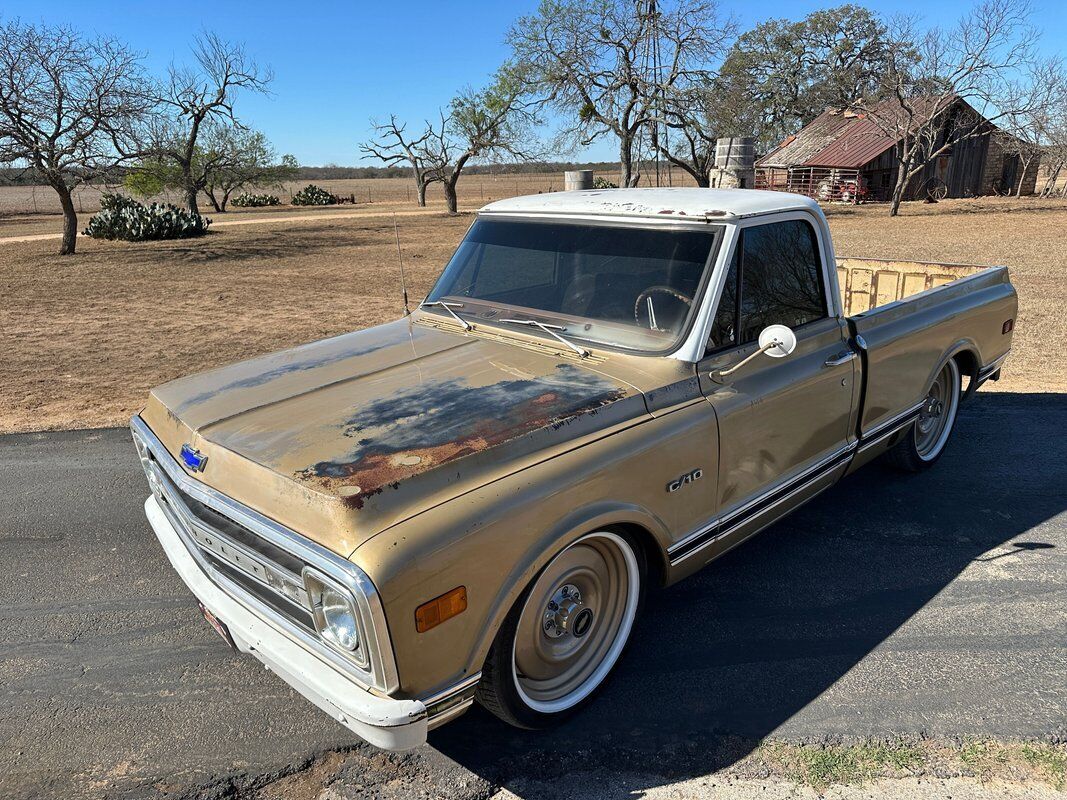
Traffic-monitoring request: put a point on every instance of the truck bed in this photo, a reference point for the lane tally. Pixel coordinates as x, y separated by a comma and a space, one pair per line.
867, 283
909, 315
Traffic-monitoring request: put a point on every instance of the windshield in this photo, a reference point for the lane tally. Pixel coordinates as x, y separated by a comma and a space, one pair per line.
627, 287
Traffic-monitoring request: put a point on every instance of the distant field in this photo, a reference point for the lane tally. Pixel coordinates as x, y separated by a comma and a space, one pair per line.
474, 190
84, 338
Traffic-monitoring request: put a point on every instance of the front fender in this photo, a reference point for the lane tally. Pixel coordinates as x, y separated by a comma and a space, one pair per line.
495, 539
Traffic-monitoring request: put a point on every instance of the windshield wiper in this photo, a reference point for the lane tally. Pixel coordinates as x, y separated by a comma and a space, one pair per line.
448, 307
551, 331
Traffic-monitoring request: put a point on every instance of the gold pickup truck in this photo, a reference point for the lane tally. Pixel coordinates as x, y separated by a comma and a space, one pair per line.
604, 391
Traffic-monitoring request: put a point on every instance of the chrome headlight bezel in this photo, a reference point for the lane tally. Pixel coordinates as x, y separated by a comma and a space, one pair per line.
317, 583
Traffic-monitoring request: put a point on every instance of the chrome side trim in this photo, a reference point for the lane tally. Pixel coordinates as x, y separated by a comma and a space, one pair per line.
900, 419
757, 507
383, 675
887, 429
986, 371
451, 702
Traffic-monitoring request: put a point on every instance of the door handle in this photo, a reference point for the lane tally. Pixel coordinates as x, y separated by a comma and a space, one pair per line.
839, 359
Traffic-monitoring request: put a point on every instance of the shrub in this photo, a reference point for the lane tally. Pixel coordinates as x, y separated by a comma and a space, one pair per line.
247, 200
603, 183
312, 195
122, 217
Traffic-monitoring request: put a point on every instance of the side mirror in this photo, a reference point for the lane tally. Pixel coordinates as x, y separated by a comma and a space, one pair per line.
777, 341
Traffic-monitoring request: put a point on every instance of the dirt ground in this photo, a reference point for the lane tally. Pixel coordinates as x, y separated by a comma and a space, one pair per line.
83, 339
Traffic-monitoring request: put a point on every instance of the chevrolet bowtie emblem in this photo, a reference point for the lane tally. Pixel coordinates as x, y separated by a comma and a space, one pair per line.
193, 458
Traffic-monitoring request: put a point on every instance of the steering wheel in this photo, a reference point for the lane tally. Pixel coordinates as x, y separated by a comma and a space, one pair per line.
667, 290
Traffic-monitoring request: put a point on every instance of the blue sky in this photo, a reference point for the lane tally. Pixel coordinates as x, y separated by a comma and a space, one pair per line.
338, 64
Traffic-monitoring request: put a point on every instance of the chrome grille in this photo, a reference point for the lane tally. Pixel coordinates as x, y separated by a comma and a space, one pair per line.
248, 561
263, 563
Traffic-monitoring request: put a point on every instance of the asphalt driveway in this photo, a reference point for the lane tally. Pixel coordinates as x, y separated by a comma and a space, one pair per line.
891, 605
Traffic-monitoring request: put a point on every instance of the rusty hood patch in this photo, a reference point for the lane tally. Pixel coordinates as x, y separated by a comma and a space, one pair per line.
369, 428
423, 426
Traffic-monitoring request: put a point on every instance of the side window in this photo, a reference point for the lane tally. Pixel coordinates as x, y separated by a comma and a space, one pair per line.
781, 278
724, 328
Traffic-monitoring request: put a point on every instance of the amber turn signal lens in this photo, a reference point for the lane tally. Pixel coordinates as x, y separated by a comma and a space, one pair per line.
431, 614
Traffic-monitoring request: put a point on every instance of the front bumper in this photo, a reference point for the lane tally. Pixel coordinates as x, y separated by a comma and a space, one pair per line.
382, 721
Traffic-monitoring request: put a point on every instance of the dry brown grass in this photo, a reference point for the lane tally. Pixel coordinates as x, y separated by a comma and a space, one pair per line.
84, 338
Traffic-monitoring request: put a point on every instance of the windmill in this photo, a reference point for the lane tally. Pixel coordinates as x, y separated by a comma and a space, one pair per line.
651, 63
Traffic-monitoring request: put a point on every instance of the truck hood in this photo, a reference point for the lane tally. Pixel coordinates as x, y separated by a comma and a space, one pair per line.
343, 438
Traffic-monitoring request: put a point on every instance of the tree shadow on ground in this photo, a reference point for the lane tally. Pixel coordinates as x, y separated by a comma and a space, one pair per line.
730, 655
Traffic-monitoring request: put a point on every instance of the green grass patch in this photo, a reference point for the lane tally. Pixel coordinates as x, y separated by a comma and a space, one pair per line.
1050, 762
827, 765
823, 766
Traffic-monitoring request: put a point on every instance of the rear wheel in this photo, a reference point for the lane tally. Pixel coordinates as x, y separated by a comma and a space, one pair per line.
923, 444
566, 633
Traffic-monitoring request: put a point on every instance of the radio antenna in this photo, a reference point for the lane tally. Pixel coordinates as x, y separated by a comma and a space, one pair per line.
400, 259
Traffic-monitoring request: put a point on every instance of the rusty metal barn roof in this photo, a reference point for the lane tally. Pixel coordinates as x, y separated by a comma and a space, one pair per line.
859, 142
812, 138
841, 140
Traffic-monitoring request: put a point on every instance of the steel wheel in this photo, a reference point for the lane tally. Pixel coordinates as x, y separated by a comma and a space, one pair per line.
575, 622
938, 412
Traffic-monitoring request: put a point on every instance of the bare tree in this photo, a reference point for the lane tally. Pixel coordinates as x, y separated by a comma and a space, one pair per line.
1054, 158
70, 108
692, 124
943, 87
1030, 134
595, 63
195, 96
495, 122
392, 146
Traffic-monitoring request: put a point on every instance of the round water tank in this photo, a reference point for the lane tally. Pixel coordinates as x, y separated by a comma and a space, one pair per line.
578, 179
735, 153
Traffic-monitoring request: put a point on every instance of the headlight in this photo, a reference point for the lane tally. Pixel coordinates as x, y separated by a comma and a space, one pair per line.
334, 610
339, 620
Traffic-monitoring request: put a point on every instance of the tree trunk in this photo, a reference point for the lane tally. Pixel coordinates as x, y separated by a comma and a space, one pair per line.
1022, 176
214, 202
904, 174
70, 220
450, 195
190, 196
626, 162
422, 192
898, 191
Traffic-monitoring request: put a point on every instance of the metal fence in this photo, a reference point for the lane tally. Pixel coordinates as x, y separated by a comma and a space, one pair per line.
821, 183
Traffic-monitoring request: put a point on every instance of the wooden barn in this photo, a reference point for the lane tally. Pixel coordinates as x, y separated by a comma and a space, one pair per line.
844, 156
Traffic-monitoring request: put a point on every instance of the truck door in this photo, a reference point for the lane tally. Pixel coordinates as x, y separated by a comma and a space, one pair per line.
783, 422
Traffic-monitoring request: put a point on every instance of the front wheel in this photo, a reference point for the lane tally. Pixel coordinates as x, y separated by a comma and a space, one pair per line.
565, 634
924, 443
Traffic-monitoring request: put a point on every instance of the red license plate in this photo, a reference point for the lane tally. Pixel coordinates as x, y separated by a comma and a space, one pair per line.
218, 625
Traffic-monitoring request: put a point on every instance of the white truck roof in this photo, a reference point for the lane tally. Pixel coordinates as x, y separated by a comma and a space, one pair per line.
662, 203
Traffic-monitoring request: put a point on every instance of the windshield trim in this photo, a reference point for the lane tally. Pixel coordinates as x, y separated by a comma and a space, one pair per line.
717, 230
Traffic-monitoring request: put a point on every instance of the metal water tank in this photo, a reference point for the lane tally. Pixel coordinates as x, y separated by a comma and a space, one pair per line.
578, 179
735, 163
735, 153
